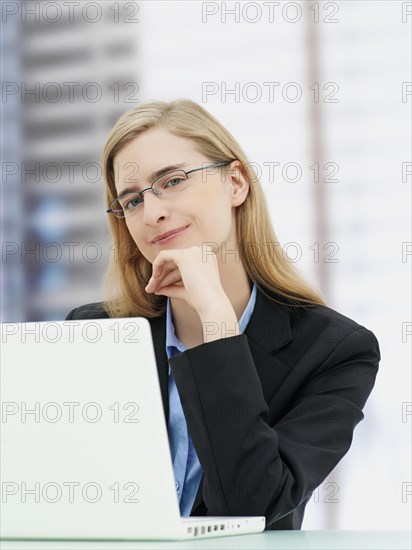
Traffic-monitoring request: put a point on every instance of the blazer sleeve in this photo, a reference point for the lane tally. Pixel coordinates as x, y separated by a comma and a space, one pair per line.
253, 468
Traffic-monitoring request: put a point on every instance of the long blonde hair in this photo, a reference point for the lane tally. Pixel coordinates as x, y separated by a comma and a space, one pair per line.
129, 271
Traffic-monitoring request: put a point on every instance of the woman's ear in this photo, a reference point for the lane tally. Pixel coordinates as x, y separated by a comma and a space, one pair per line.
239, 182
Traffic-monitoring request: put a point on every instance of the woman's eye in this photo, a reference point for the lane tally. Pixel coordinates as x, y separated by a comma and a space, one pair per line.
176, 180
132, 203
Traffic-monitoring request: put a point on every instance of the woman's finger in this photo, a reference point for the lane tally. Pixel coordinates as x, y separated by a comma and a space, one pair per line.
171, 278
165, 261
162, 266
160, 270
173, 291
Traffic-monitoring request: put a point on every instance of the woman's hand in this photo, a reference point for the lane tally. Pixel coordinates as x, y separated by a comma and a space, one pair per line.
193, 276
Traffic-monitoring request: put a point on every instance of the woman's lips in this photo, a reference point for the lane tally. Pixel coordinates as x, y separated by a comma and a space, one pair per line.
170, 237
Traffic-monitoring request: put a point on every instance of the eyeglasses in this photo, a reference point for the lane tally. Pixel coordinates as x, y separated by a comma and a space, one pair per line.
166, 185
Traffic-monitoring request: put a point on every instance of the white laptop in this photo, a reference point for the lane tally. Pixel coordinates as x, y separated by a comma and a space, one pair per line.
84, 445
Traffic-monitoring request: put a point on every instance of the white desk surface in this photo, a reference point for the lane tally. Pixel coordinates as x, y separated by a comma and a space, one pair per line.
279, 540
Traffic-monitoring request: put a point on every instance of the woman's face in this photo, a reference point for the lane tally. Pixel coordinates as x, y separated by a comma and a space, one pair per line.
206, 206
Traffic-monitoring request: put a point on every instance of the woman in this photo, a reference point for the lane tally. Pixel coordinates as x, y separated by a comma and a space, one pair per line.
262, 383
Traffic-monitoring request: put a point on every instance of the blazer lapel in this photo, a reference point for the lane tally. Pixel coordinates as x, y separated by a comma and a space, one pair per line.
158, 327
268, 331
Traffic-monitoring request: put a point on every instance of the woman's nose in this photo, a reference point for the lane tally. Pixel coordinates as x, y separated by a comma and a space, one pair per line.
154, 207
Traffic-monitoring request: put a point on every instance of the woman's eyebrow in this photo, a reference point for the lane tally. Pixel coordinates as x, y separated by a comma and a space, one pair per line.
154, 175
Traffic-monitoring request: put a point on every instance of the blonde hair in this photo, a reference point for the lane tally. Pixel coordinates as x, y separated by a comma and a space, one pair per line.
129, 271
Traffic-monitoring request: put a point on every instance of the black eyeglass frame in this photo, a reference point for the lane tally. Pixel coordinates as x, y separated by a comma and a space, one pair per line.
140, 193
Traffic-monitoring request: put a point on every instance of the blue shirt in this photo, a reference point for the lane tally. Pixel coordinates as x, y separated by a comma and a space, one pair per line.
186, 465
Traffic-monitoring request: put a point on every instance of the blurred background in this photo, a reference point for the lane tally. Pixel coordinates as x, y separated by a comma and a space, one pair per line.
319, 96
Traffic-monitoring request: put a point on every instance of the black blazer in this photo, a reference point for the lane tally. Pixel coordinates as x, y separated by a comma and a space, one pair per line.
272, 411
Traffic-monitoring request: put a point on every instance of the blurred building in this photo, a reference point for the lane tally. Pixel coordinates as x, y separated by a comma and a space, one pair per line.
12, 276
70, 74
